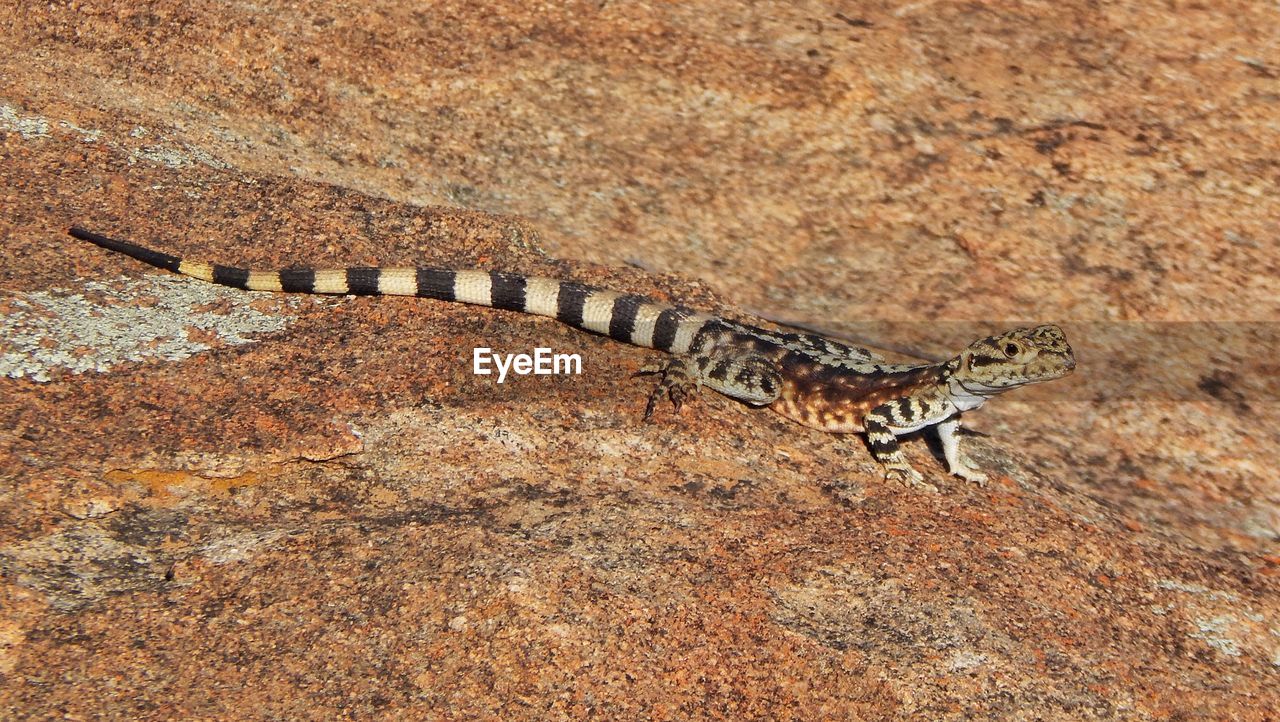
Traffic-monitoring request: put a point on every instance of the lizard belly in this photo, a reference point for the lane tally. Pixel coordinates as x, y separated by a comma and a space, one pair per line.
821, 408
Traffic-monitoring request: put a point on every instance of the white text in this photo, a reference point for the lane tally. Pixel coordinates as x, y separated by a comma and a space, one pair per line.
543, 362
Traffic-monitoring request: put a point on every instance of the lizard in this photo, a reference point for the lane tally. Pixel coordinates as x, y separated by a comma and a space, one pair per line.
808, 378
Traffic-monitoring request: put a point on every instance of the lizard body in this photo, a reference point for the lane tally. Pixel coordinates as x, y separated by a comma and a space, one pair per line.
811, 379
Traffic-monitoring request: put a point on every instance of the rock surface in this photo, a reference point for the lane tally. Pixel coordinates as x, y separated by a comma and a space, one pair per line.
230, 505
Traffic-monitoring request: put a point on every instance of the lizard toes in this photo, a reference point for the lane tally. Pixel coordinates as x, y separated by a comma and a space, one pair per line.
653, 402
677, 395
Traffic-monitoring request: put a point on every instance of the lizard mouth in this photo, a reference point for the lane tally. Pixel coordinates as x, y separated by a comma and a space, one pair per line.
1054, 370
1067, 364
1046, 369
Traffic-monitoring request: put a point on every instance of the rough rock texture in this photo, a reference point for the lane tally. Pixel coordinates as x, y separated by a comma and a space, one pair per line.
252, 506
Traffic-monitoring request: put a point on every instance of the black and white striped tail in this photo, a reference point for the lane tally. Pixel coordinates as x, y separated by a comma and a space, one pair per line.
628, 318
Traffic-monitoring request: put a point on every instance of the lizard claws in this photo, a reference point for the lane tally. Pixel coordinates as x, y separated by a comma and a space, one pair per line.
675, 385
653, 402
674, 390
971, 475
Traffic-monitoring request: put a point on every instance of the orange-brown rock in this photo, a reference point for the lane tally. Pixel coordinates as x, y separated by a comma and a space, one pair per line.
230, 506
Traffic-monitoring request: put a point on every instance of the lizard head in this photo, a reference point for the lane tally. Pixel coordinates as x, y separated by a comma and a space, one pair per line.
1012, 359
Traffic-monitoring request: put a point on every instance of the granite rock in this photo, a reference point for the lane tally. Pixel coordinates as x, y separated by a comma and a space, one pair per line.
244, 506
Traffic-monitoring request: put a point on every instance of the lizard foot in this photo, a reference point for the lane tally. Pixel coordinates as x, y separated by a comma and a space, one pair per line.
676, 385
970, 474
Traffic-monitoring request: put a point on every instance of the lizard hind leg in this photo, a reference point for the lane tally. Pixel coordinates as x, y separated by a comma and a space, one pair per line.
748, 378
675, 382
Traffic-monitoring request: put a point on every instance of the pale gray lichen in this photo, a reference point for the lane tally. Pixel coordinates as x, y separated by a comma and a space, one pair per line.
176, 158
33, 127
104, 324
239, 547
87, 135
79, 565
1214, 633
29, 127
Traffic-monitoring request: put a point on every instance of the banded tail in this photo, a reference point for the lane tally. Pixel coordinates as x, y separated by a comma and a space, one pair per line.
627, 318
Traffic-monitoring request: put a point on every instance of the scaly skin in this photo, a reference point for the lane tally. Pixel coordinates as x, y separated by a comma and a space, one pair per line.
811, 379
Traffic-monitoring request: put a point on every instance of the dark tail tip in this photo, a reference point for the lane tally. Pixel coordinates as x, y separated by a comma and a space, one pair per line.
146, 255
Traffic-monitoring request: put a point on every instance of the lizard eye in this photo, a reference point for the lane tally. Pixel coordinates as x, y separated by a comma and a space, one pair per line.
1011, 349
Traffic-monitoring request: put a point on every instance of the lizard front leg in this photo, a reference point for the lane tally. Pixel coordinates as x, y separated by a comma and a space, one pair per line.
886, 450
886, 422
956, 461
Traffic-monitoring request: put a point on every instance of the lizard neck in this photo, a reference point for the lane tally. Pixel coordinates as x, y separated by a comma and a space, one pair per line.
965, 396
